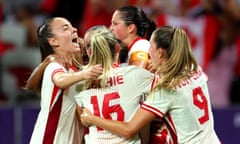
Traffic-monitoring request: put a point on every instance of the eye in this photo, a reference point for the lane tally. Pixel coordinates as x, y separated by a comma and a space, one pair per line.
114, 23
65, 27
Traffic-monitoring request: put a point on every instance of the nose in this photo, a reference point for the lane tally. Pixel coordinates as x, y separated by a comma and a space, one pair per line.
111, 27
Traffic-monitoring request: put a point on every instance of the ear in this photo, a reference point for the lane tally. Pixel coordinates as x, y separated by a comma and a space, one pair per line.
131, 28
161, 52
53, 42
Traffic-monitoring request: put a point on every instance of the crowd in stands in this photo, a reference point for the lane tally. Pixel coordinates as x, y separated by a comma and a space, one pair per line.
212, 25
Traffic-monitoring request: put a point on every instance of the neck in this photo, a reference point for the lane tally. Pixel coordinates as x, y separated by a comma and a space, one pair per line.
67, 58
128, 41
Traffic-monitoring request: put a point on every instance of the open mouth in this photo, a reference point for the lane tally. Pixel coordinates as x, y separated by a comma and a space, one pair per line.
75, 42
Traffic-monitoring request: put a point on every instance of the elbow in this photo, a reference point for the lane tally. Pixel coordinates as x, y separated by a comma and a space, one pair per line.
60, 84
63, 80
128, 133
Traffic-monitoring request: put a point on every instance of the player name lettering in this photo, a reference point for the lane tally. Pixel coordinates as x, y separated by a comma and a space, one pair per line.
195, 76
111, 81
115, 80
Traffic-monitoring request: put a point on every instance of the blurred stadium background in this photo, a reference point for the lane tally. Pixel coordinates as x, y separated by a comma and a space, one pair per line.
212, 25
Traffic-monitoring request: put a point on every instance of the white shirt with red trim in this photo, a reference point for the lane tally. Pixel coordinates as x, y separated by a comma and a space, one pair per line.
139, 45
187, 111
56, 122
138, 50
118, 101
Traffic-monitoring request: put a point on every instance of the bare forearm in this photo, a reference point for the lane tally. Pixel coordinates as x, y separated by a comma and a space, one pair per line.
64, 80
123, 129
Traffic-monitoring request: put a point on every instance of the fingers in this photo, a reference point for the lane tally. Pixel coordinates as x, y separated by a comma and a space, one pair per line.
84, 114
80, 42
87, 112
79, 112
84, 117
96, 71
93, 72
150, 67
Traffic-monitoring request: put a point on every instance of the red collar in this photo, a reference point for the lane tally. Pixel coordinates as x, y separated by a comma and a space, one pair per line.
133, 42
115, 65
74, 68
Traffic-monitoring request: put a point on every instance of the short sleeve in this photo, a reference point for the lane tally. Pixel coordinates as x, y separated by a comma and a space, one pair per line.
54, 68
144, 79
158, 102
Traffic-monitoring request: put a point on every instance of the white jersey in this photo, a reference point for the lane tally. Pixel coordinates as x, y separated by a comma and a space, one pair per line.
186, 110
57, 122
118, 101
138, 50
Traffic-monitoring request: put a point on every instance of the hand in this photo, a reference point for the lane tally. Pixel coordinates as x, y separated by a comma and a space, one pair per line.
79, 112
80, 42
85, 117
150, 67
93, 72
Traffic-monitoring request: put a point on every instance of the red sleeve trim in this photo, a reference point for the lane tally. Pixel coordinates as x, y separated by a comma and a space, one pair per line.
152, 110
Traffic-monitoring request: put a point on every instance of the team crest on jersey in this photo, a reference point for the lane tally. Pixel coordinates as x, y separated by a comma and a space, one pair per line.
79, 87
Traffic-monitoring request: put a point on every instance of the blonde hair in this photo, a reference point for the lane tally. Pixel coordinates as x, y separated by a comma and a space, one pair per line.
103, 48
181, 61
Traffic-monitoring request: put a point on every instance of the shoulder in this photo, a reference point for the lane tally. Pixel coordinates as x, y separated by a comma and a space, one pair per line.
142, 45
139, 72
142, 42
129, 69
55, 67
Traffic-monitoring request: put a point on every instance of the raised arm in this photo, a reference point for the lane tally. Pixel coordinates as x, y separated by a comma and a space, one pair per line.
61, 79
64, 80
125, 129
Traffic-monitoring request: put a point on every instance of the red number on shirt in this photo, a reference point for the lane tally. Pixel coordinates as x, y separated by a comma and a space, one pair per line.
94, 102
107, 107
200, 100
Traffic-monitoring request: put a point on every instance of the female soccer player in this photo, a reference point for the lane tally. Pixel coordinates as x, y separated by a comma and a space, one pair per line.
57, 122
133, 28
179, 98
118, 91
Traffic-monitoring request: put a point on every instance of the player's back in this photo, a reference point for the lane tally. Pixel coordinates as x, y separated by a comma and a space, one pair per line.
186, 109
191, 111
118, 100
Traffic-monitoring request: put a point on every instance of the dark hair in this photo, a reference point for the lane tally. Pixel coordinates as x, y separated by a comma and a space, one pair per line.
123, 54
164, 36
44, 32
135, 15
